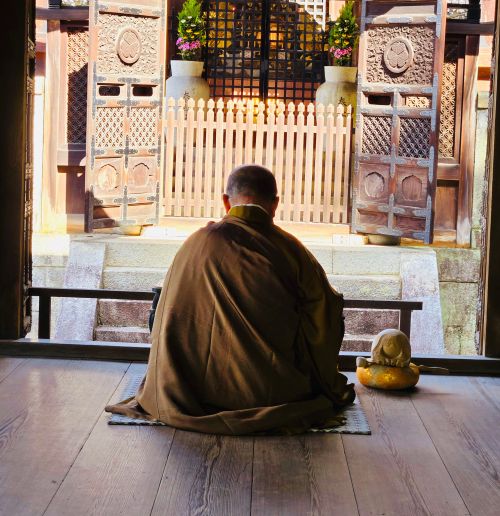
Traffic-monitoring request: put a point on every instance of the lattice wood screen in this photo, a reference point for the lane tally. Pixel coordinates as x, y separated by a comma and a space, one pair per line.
400, 60
77, 72
127, 61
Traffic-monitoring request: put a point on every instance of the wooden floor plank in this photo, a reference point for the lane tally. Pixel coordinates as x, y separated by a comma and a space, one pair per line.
118, 470
47, 410
464, 426
397, 469
489, 387
301, 475
206, 474
9, 364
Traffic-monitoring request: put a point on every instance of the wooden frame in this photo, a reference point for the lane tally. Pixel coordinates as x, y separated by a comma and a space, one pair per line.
395, 167
46, 294
17, 37
457, 172
126, 352
12, 210
491, 300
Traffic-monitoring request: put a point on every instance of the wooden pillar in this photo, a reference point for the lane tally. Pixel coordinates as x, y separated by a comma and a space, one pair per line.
15, 142
51, 124
491, 334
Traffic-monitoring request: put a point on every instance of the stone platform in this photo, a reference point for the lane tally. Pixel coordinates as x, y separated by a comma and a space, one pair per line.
357, 270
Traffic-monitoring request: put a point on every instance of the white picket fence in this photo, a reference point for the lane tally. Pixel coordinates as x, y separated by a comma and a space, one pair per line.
308, 150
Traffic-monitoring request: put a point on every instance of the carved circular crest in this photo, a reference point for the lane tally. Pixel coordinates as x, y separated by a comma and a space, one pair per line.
128, 45
398, 55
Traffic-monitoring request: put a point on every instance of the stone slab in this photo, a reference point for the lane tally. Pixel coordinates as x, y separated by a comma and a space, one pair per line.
377, 260
138, 278
114, 312
459, 302
419, 282
357, 343
139, 252
369, 322
458, 265
77, 317
367, 287
122, 334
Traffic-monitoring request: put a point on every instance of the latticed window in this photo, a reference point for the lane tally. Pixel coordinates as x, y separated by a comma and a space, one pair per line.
269, 49
464, 10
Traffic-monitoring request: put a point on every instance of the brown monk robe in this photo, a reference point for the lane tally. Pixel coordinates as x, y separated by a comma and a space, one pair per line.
247, 329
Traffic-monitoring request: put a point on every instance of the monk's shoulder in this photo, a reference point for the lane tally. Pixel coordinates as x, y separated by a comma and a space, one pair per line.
292, 244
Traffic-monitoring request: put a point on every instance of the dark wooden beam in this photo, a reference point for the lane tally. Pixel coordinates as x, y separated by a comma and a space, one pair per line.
124, 351
74, 13
479, 29
491, 301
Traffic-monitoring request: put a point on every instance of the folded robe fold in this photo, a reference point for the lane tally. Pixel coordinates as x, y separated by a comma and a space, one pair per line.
246, 335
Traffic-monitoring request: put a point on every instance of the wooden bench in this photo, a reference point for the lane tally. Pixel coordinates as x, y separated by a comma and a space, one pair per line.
45, 296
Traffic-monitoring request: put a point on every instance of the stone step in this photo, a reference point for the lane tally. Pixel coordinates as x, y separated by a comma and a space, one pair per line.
111, 312
120, 319
335, 259
359, 321
134, 334
136, 313
137, 334
360, 287
357, 343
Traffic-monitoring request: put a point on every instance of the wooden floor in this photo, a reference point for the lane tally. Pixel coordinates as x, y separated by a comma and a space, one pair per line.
434, 451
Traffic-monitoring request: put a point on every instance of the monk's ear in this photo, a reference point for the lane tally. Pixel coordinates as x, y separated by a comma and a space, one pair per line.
274, 205
227, 204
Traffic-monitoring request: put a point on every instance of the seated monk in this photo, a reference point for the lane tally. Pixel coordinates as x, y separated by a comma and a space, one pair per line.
247, 329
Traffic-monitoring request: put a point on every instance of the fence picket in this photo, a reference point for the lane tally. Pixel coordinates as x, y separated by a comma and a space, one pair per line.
269, 149
309, 162
259, 134
208, 194
290, 151
280, 149
179, 156
329, 138
347, 164
198, 167
299, 164
238, 158
219, 169
228, 166
169, 129
249, 131
318, 162
188, 169
337, 185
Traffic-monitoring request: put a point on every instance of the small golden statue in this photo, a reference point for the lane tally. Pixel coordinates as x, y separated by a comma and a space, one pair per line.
389, 366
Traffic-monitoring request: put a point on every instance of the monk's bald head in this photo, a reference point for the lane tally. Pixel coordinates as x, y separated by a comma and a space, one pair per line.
252, 184
252, 181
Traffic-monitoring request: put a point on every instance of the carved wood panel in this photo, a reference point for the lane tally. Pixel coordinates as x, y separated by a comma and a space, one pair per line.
401, 49
127, 74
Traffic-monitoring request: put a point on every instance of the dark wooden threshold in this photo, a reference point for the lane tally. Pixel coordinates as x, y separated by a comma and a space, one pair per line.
71, 13
124, 351
457, 27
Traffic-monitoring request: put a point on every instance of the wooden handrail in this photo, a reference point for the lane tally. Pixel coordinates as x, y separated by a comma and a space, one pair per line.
46, 294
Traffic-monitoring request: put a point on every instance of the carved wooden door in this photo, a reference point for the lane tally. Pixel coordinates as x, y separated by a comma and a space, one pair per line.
126, 78
400, 61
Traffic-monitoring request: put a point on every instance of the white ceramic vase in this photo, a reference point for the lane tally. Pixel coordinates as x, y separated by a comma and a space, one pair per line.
339, 86
186, 81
